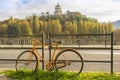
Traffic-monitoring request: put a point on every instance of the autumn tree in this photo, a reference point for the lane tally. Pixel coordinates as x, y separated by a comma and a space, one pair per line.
36, 25
3, 29
49, 27
13, 29
57, 27
25, 27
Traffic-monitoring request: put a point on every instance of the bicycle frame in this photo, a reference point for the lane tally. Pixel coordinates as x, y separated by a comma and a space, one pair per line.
47, 63
58, 60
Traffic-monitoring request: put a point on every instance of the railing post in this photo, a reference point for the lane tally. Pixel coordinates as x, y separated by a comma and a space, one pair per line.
49, 47
42, 51
112, 53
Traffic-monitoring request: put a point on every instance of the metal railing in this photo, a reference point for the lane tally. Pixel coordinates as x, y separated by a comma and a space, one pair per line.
67, 39
77, 36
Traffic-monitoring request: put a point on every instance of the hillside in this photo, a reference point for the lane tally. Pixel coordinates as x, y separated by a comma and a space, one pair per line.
70, 23
116, 24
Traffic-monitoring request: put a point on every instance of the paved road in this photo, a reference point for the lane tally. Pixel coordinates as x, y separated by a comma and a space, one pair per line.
87, 55
3, 77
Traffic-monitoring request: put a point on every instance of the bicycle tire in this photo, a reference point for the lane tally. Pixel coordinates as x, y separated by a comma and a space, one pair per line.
69, 60
23, 61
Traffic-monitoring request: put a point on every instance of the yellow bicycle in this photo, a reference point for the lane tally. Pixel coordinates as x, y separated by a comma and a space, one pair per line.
61, 59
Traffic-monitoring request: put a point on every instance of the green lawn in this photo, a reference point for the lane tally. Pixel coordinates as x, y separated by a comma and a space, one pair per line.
46, 75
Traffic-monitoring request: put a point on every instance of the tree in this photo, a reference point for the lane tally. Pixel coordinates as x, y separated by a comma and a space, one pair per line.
13, 29
72, 22
74, 26
57, 27
68, 26
31, 22
42, 28
111, 28
49, 27
80, 27
36, 25
25, 28
11, 20
3, 29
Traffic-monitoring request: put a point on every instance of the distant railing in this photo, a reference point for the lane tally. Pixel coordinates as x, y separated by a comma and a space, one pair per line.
21, 40
67, 39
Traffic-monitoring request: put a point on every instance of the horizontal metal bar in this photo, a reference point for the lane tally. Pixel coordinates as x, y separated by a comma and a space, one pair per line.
21, 36
19, 48
89, 48
98, 61
80, 34
14, 60
8, 59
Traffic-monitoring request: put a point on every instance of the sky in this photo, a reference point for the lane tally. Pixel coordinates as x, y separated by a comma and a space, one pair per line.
102, 10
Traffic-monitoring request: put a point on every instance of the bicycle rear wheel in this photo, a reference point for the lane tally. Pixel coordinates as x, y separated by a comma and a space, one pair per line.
69, 60
27, 60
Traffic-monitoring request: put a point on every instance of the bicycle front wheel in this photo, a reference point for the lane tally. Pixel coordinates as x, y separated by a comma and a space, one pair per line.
27, 60
69, 60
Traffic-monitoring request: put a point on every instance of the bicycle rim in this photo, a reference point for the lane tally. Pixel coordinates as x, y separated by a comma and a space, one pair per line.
69, 60
27, 60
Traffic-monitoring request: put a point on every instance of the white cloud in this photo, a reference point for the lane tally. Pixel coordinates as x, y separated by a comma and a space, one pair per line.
103, 10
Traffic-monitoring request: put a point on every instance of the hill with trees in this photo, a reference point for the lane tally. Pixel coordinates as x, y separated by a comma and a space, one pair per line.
70, 23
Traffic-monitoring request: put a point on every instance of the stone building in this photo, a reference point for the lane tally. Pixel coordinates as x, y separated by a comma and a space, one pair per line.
58, 10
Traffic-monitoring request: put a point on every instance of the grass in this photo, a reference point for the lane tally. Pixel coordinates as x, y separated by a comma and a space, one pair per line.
46, 75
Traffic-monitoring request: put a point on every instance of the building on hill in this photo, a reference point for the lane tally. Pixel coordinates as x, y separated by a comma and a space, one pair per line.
58, 10
72, 13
